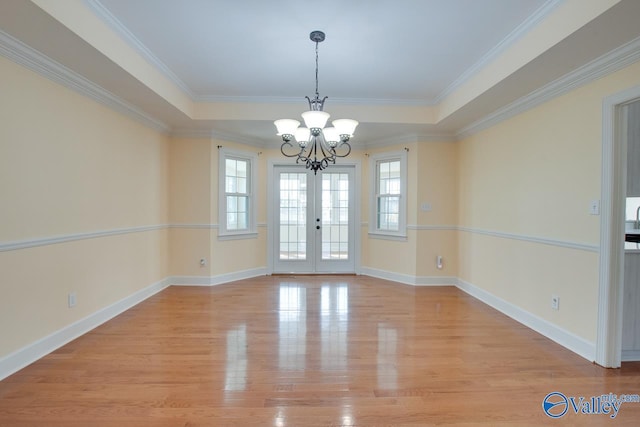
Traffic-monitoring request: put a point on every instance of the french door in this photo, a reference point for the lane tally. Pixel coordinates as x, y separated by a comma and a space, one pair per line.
314, 220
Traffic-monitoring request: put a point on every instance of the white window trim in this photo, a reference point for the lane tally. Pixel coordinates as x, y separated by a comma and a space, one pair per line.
374, 232
251, 232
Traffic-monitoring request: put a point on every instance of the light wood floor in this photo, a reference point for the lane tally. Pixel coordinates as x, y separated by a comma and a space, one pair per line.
310, 351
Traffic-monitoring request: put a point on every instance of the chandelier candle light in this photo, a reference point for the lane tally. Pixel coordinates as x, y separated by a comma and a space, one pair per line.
318, 145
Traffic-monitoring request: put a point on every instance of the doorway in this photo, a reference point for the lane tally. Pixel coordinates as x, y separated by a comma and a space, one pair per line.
631, 278
612, 227
313, 217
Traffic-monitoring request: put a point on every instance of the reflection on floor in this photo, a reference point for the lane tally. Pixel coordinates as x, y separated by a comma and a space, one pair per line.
307, 351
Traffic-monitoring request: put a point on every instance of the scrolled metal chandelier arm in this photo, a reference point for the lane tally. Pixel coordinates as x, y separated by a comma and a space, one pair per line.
311, 160
287, 143
318, 145
342, 144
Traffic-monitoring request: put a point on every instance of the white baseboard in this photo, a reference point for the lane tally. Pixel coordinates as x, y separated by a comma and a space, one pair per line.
217, 280
436, 281
190, 280
29, 354
388, 275
631, 355
408, 279
25, 356
565, 338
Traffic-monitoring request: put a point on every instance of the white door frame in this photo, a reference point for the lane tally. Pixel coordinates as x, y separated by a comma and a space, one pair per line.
271, 217
614, 184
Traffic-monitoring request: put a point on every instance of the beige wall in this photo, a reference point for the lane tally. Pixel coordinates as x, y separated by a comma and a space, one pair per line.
534, 176
193, 213
229, 256
190, 206
69, 166
381, 254
432, 179
194, 204
437, 185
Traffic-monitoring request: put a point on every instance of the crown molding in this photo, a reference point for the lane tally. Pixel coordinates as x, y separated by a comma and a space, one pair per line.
301, 100
436, 137
621, 57
20, 53
515, 35
191, 133
224, 99
214, 134
225, 136
384, 102
608, 63
410, 139
103, 13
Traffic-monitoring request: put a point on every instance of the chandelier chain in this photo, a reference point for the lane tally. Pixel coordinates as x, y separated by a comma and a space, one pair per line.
317, 93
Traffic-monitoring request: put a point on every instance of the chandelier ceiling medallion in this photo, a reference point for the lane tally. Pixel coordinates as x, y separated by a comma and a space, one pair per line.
318, 145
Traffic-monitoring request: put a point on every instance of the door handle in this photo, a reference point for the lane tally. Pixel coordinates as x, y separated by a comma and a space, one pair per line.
317, 227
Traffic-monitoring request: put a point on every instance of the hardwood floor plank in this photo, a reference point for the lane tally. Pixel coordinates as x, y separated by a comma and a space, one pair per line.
310, 351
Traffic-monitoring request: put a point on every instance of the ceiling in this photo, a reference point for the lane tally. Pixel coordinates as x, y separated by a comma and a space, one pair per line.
404, 68
378, 51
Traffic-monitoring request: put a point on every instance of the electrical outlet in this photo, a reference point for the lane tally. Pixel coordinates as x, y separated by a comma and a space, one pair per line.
71, 299
203, 262
555, 302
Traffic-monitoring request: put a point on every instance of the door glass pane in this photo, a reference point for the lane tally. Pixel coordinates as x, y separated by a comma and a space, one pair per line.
293, 216
335, 216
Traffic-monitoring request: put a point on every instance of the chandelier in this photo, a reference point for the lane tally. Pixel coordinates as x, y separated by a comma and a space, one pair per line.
317, 145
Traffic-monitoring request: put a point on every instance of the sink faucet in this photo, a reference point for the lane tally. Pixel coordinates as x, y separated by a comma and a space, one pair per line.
637, 225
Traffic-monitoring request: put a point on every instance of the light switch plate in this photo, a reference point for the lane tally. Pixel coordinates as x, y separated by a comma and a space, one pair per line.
594, 207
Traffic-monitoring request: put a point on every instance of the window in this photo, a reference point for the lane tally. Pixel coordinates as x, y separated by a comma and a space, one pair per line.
388, 195
237, 194
389, 200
